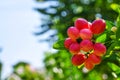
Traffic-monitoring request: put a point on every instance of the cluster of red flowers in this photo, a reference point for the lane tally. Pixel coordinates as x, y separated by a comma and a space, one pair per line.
80, 42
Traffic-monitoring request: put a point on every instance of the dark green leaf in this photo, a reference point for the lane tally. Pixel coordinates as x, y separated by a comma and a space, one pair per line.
109, 25
59, 45
110, 48
118, 28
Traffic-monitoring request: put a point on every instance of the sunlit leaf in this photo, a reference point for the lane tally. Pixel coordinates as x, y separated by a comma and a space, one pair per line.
115, 7
59, 45
113, 36
101, 38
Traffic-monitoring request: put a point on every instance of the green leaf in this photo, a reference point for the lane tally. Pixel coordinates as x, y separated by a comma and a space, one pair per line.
113, 36
114, 67
118, 28
109, 25
115, 7
59, 45
101, 38
110, 48
118, 78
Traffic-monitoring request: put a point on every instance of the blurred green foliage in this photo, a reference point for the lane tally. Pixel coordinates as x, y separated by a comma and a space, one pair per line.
60, 15
23, 71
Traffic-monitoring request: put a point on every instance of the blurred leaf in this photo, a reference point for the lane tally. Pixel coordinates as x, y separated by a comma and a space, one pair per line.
118, 78
114, 67
118, 28
101, 38
115, 7
94, 74
113, 36
109, 25
114, 57
59, 45
110, 48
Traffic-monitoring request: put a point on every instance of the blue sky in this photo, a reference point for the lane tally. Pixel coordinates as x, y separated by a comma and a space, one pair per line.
18, 21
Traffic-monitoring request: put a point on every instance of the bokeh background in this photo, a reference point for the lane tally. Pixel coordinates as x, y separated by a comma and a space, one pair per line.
28, 29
